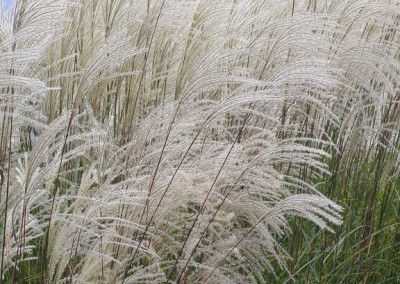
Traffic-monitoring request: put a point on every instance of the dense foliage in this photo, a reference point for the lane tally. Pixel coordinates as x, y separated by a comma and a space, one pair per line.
203, 141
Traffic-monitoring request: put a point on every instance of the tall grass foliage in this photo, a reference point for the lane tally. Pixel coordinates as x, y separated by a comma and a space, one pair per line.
183, 141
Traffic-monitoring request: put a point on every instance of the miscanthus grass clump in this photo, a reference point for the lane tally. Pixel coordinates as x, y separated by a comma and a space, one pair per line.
182, 141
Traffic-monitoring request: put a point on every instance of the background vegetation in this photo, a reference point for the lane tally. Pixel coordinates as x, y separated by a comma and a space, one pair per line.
167, 141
